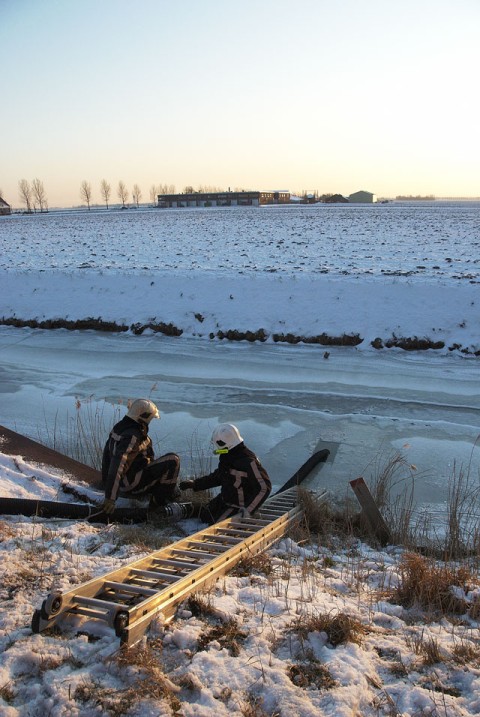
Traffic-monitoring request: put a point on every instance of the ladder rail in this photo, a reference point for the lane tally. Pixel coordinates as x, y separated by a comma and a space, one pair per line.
122, 598
171, 596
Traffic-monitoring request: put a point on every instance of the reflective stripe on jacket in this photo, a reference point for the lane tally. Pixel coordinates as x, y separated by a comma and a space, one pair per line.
243, 480
127, 452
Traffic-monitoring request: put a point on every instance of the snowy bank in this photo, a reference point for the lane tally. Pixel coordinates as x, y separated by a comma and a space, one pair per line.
262, 641
202, 305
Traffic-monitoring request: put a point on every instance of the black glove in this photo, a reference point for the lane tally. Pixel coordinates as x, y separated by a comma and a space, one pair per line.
186, 484
108, 506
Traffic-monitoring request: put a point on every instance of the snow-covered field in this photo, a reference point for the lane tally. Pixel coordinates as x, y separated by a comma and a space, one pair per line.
427, 240
377, 271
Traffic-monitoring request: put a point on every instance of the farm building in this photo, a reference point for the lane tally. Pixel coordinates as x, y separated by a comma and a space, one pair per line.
222, 199
362, 198
4, 207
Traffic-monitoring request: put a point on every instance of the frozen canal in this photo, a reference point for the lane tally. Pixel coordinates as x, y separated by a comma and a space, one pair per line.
287, 400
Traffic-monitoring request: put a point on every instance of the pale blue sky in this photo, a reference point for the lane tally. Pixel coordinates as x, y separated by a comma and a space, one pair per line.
266, 94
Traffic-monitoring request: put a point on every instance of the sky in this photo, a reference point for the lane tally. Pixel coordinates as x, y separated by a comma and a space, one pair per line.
333, 97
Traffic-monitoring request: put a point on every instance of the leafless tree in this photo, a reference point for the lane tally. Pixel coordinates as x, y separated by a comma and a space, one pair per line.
39, 196
211, 188
122, 192
25, 191
136, 194
86, 192
166, 189
105, 190
154, 192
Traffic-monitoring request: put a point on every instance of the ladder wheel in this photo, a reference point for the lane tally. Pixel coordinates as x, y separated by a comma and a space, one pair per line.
43, 613
52, 604
120, 623
37, 616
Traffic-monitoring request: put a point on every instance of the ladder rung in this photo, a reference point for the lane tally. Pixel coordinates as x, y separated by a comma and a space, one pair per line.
201, 554
129, 588
213, 546
228, 538
155, 575
255, 525
280, 501
275, 513
177, 563
87, 612
96, 602
238, 531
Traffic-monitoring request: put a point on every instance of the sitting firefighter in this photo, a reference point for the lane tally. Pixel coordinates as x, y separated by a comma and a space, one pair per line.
129, 467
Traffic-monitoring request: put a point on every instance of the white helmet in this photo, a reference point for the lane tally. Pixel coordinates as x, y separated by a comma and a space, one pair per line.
142, 410
225, 437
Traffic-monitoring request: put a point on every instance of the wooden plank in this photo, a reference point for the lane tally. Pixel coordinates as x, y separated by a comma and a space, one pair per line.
371, 512
14, 444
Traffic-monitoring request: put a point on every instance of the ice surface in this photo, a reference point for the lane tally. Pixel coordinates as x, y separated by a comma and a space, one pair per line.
380, 270
288, 401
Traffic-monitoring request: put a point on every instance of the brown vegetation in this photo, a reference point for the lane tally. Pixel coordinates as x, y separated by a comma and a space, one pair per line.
340, 628
413, 343
428, 584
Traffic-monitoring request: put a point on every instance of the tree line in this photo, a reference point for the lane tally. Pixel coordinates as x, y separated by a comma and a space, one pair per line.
136, 194
33, 195
122, 192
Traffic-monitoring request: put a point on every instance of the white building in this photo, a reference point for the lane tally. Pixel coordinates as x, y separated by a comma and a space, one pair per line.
362, 198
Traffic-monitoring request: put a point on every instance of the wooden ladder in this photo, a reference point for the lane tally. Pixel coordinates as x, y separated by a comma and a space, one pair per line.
129, 598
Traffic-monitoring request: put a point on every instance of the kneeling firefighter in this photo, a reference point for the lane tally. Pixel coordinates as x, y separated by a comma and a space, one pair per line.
244, 483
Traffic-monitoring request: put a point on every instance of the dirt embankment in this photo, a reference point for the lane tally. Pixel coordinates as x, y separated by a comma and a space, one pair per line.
412, 343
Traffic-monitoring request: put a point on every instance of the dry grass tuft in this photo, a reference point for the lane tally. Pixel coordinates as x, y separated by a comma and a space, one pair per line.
466, 652
6, 531
428, 584
393, 485
20, 579
317, 521
152, 683
111, 702
7, 692
83, 435
259, 563
474, 611
143, 536
201, 606
340, 628
253, 707
311, 675
431, 652
463, 504
327, 518
317, 514
228, 635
